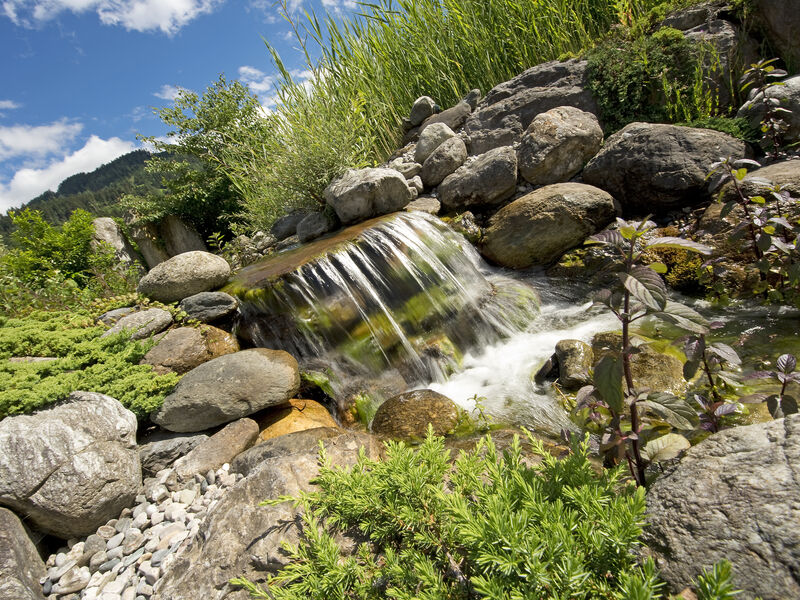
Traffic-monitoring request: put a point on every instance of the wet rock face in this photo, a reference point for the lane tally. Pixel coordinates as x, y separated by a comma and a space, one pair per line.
653, 168
228, 388
539, 227
20, 565
734, 496
406, 416
72, 467
185, 275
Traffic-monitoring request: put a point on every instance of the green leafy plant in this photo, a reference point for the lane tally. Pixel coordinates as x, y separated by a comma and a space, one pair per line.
760, 78
716, 584
486, 526
780, 404
613, 402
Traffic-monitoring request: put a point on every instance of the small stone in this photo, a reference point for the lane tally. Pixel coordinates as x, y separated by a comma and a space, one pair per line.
129, 593
158, 556
151, 509
115, 587
126, 512
186, 497
211, 477
109, 565
115, 541
123, 524
93, 544
115, 553
157, 518
133, 558
133, 540
141, 521
139, 509
61, 558
58, 571
73, 580
97, 559
149, 572
47, 587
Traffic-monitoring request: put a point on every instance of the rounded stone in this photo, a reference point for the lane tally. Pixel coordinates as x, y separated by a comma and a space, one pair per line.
185, 275
208, 307
184, 348
406, 416
298, 416
430, 139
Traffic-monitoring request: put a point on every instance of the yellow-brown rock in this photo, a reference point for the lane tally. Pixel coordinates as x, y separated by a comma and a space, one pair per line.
300, 415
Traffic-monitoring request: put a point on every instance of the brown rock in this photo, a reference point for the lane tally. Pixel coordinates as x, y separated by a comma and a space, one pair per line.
185, 348
220, 448
406, 416
300, 415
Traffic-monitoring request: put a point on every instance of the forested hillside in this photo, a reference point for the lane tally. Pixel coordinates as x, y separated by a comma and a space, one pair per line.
97, 192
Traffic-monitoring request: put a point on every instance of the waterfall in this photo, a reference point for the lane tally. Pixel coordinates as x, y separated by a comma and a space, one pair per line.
402, 293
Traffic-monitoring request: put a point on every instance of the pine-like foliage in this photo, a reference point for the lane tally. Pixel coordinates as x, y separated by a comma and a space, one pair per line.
486, 526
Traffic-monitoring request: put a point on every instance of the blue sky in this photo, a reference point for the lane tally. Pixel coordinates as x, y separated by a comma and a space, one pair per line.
80, 78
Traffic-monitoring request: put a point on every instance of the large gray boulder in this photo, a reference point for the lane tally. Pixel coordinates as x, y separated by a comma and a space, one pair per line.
21, 568
430, 139
509, 108
454, 117
228, 388
208, 307
179, 237
71, 468
365, 193
141, 324
653, 168
315, 225
148, 240
286, 226
443, 161
557, 144
539, 227
789, 97
185, 275
486, 181
422, 108
239, 538
106, 231
736, 495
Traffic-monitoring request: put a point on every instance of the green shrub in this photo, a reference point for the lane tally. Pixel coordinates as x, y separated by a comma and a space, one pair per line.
84, 361
657, 78
488, 525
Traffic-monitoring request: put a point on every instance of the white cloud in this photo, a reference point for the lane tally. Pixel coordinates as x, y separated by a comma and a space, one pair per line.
8, 105
167, 92
339, 5
38, 140
28, 183
167, 16
258, 81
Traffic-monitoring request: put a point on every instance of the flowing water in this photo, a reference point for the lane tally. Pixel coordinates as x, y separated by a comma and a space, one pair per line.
404, 298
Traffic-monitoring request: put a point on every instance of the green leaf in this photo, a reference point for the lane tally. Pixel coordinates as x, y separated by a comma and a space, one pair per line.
727, 208
740, 173
726, 353
647, 287
666, 447
675, 411
786, 363
684, 317
608, 381
690, 369
681, 244
658, 267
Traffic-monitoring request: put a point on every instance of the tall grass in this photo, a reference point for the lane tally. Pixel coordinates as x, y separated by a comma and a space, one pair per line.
375, 65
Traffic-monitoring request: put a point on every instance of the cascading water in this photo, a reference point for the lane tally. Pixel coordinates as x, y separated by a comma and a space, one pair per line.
402, 292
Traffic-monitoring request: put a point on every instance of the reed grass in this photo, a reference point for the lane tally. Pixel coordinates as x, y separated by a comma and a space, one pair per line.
373, 66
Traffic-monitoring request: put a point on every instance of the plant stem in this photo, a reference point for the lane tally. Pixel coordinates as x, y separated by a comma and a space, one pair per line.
626, 369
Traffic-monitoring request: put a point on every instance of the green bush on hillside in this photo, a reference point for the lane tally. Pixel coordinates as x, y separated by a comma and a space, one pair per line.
487, 526
84, 362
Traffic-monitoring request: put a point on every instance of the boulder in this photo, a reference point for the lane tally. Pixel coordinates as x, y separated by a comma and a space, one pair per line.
220, 448
409, 170
509, 108
736, 496
21, 568
179, 237
557, 144
486, 181
433, 137
142, 324
454, 117
781, 20
106, 231
539, 227
315, 225
239, 538
298, 416
406, 416
653, 168
148, 240
228, 388
426, 204
181, 350
71, 468
185, 275
443, 161
208, 307
112, 316
160, 450
301, 442
286, 226
364, 193
575, 360
789, 97
422, 108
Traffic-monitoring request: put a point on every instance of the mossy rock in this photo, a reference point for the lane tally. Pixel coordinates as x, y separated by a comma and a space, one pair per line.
406, 416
